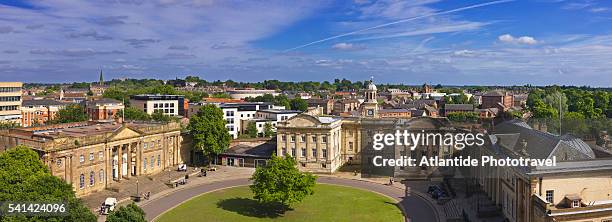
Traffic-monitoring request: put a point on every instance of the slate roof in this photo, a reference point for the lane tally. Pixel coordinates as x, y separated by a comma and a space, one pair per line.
41, 102
494, 93
264, 150
513, 134
102, 101
460, 107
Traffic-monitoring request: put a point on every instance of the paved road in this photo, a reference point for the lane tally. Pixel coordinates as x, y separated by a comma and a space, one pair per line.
416, 208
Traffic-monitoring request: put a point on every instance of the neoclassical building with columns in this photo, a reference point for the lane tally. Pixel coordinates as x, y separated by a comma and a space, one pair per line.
93, 156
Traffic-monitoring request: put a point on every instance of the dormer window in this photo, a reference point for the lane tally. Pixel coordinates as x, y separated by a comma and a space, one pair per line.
575, 203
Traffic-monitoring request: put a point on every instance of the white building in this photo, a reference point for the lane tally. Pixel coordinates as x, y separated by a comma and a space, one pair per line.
236, 113
244, 93
171, 105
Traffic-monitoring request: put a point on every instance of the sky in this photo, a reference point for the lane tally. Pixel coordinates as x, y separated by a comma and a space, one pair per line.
453, 42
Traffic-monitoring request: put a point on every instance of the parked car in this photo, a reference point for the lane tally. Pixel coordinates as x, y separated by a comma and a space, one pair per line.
182, 167
108, 205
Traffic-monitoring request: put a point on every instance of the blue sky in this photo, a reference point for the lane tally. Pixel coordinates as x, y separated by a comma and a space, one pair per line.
540, 42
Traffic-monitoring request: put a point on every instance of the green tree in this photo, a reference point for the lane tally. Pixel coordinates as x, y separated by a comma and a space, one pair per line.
8, 125
207, 128
463, 117
158, 115
132, 113
131, 213
299, 104
23, 177
280, 182
69, 114
268, 131
251, 129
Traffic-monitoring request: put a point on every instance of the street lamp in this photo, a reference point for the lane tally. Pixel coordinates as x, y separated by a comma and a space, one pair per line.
137, 193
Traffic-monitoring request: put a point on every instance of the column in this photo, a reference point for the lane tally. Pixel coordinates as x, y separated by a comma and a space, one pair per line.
138, 158
69, 169
177, 144
108, 152
129, 159
119, 161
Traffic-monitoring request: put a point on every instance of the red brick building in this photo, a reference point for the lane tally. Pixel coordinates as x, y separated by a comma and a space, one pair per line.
491, 99
104, 109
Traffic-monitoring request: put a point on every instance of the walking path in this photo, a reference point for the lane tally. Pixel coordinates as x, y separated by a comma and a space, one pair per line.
415, 205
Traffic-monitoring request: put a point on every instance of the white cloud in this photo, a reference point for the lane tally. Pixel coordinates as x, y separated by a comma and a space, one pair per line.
527, 40
465, 52
343, 46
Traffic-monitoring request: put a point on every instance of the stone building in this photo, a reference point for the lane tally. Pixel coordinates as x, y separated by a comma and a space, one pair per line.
92, 156
578, 188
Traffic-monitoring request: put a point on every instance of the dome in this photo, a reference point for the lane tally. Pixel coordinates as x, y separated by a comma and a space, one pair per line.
371, 86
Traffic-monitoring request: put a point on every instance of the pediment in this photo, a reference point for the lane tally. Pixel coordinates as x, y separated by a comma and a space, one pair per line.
303, 121
124, 133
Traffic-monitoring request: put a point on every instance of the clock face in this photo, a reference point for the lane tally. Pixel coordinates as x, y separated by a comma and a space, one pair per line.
370, 112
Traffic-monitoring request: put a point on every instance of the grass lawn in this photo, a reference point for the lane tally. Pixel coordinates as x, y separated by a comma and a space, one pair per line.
329, 203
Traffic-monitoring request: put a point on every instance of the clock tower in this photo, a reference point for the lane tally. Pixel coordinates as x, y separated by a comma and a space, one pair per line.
369, 108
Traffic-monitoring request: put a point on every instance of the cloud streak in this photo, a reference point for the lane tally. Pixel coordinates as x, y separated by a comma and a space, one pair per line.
399, 22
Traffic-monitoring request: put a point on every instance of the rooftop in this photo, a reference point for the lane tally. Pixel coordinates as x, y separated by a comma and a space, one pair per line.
279, 111
42, 102
458, 107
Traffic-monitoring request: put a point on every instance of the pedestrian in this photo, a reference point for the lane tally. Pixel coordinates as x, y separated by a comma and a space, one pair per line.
390, 180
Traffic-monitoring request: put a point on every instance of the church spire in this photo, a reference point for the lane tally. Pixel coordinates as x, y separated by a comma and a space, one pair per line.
101, 78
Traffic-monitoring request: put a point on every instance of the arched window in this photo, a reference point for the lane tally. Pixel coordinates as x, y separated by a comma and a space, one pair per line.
101, 176
92, 178
81, 181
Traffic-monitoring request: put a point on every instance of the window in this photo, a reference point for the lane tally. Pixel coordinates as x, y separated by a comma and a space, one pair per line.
575, 203
303, 152
292, 138
91, 156
283, 138
314, 139
81, 181
284, 151
144, 163
304, 138
58, 162
158, 160
101, 176
152, 161
292, 151
144, 146
550, 194
324, 165
324, 139
229, 113
324, 153
101, 155
81, 158
314, 152
350, 148
92, 178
